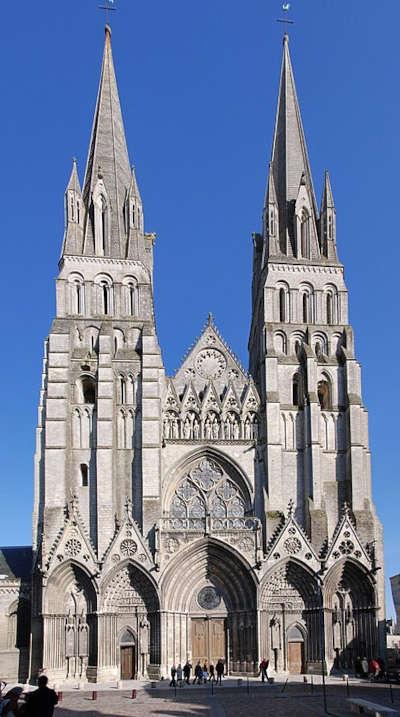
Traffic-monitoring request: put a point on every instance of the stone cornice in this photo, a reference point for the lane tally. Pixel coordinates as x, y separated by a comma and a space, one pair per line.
103, 261
305, 268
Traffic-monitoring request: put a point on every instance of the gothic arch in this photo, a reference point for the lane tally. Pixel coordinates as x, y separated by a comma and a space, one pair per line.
68, 576
350, 602
208, 561
233, 471
109, 587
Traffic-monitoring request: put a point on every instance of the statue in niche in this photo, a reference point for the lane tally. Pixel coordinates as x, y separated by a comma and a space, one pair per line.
247, 429
207, 428
227, 428
186, 428
144, 643
235, 430
275, 633
196, 429
215, 429
70, 644
83, 644
175, 428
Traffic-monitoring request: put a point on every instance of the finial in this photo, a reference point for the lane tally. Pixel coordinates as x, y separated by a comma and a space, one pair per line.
99, 172
107, 30
286, 38
290, 508
210, 319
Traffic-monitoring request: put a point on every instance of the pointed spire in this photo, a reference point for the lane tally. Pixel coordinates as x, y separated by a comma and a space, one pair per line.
328, 221
73, 235
108, 171
290, 163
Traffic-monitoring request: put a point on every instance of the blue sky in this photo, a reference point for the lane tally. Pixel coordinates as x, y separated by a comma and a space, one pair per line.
198, 85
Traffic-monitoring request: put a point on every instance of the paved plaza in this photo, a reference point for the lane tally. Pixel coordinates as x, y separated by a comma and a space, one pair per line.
253, 699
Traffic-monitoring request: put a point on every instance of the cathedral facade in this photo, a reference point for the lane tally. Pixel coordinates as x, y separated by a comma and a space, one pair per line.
216, 513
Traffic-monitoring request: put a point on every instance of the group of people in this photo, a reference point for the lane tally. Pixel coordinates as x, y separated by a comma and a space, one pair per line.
373, 669
37, 703
202, 673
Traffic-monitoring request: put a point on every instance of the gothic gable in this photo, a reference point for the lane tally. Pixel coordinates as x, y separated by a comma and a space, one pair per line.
72, 543
290, 541
127, 543
345, 543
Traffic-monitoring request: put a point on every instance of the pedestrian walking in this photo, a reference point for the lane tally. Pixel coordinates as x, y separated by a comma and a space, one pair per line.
263, 669
41, 702
212, 672
187, 668
179, 675
173, 675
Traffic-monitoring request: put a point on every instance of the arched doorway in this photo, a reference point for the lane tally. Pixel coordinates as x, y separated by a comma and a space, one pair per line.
350, 614
70, 624
295, 651
129, 591
290, 618
127, 648
210, 598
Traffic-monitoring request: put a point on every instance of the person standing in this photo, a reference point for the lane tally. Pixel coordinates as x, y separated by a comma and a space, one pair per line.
41, 702
179, 675
212, 672
220, 671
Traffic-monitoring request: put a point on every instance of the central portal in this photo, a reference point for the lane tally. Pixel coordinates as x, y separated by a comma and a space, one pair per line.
208, 640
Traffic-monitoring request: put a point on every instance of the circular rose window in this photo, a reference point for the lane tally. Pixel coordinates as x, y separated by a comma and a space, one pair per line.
210, 363
208, 598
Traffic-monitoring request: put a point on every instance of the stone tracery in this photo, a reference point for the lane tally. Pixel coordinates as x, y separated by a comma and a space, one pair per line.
207, 490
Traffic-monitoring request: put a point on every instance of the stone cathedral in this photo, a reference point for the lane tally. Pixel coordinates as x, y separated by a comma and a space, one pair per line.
216, 513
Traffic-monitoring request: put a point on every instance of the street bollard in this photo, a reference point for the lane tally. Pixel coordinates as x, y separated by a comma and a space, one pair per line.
94, 695
133, 696
248, 686
285, 685
391, 692
312, 684
60, 696
347, 688
212, 687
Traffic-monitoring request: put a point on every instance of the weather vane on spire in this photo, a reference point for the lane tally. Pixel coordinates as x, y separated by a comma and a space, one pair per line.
285, 20
107, 7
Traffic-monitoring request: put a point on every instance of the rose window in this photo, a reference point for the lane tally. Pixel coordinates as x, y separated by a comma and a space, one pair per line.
128, 547
73, 547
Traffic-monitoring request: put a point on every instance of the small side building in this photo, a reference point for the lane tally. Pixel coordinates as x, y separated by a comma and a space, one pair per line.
15, 611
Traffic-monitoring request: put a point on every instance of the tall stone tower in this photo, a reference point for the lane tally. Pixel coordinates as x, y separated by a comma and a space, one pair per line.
302, 357
96, 458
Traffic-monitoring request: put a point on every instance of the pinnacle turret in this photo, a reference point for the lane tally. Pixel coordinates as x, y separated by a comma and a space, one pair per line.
74, 211
328, 221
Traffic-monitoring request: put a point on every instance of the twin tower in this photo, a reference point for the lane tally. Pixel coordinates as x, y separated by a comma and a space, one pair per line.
217, 513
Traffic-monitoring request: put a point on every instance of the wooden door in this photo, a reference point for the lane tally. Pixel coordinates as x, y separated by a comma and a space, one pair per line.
127, 662
208, 640
199, 640
295, 657
216, 649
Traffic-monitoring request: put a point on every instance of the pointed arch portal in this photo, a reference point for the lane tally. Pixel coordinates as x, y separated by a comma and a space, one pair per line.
211, 594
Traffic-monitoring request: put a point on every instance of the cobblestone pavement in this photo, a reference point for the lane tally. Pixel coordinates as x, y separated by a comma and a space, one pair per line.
292, 700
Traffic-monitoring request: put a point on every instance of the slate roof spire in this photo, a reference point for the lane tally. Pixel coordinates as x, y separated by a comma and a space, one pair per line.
108, 170
290, 163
